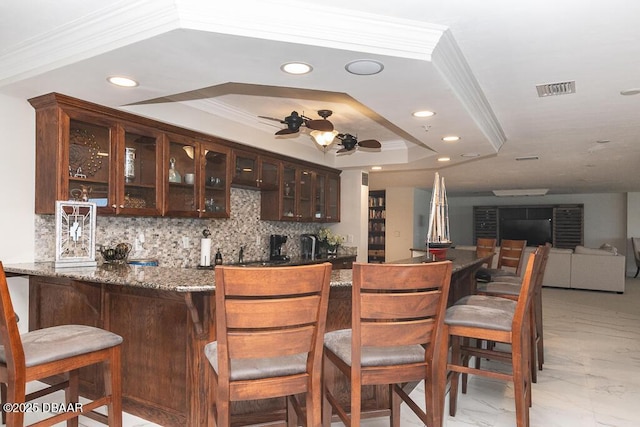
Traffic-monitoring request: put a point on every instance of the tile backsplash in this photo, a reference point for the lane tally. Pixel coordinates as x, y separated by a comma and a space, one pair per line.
175, 242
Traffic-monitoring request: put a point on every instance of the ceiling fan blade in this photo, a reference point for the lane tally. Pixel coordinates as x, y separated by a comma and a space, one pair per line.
370, 143
287, 131
343, 150
321, 125
272, 118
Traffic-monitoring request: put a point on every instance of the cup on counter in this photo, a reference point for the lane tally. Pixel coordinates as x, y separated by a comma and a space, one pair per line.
189, 178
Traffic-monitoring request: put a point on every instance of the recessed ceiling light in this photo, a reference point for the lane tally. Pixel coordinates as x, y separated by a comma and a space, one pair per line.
376, 168
451, 138
444, 159
630, 92
122, 81
423, 113
296, 68
364, 67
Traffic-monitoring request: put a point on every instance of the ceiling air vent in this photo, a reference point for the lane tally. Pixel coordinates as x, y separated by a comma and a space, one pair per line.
561, 88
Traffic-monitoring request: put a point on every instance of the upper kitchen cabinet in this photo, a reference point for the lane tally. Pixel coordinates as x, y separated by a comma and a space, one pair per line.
255, 171
138, 175
197, 178
326, 197
84, 154
306, 194
215, 179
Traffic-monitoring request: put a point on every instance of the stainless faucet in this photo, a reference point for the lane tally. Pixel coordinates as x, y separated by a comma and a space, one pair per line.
241, 255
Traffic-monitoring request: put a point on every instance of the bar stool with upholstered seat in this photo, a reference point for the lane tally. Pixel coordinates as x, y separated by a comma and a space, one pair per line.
56, 351
510, 261
497, 320
270, 322
397, 313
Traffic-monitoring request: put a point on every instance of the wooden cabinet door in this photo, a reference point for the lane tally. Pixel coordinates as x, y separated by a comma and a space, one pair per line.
320, 197
138, 174
333, 198
181, 194
245, 171
214, 181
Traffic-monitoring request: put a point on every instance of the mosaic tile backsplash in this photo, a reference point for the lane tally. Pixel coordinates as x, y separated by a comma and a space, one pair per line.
165, 238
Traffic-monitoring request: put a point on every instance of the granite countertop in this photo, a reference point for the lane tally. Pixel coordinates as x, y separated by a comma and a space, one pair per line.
172, 279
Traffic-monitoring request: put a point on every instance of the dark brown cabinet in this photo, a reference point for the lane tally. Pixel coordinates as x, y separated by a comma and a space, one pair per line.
131, 165
255, 171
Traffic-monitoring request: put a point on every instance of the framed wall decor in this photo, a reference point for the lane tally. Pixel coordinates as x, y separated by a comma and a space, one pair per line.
75, 234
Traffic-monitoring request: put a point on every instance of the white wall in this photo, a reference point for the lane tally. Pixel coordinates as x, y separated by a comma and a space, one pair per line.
399, 222
17, 177
353, 212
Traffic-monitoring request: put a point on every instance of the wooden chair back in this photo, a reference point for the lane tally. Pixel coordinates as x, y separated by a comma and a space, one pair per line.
511, 254
398, 304
9, 333
486, 247
270, 312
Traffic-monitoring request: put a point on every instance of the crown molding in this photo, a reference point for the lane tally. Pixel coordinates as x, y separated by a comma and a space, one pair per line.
448, 59
116, 25
126, 22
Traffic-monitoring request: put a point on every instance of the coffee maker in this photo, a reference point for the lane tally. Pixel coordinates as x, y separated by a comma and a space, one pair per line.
275, 247
310, 246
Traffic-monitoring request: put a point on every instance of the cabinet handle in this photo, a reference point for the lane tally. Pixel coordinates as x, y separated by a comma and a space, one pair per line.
121, 206
114, 206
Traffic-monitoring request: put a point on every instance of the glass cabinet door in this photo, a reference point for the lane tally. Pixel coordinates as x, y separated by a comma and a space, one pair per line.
214, 181
246, 169
139, 174
320, 198
181, 178
89, 163
269, 178
289, 210
305, 202
333, 198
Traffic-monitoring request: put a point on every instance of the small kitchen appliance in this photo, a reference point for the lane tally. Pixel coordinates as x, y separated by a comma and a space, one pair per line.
275, 247
310, 245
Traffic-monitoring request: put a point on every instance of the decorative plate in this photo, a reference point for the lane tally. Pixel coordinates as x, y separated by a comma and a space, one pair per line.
83, 154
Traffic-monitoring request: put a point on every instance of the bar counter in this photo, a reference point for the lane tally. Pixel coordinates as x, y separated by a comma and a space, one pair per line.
166, 317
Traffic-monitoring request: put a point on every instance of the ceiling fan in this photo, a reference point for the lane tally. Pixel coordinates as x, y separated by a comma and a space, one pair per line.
295, 121
323, 131
350, 142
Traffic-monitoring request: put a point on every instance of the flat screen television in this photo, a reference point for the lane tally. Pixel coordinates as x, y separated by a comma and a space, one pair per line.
535, 231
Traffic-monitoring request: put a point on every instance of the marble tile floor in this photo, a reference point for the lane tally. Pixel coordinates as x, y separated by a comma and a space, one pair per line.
591, 376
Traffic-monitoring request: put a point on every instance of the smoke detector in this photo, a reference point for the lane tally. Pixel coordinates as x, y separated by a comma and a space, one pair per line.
560, 88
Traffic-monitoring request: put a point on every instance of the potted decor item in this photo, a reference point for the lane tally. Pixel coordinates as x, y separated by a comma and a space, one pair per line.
329, 242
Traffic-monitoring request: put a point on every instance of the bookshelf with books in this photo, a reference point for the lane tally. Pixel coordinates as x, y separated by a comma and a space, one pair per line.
377, 217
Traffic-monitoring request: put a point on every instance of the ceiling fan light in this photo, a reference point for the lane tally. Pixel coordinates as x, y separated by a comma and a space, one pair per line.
324, 139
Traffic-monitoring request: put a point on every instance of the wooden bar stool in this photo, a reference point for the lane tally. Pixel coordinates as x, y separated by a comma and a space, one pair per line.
510, 261
270, 322
58, 351
498, 320
397, 319
510, 287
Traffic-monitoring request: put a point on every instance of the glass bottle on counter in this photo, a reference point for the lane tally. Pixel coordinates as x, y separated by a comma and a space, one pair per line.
174, 175
218, 259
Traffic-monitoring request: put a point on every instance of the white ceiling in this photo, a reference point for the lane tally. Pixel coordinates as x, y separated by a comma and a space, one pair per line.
216, 67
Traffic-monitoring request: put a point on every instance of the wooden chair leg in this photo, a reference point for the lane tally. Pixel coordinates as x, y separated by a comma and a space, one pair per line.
16, 393
520, 371
394, 405
326, 408
292, 416
113, 386
71, 394
455, 360
356, 404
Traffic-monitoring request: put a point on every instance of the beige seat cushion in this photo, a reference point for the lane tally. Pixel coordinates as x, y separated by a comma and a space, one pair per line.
479, 316
61, 342
339, 342
267, 367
